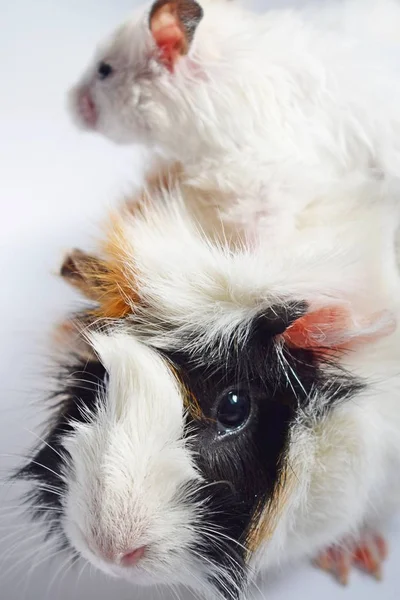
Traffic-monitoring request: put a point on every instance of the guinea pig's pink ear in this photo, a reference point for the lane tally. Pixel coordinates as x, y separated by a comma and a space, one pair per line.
335, 328
173, 24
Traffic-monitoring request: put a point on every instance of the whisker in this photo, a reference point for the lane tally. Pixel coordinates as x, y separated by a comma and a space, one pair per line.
9, 551
7, 537
282, 363
19, 562
60, 568
50, 490
71, 566
46, 443
216, 535
49, 556
213, 483
21, 511
84, 566
218, 576
58, 475
34, 462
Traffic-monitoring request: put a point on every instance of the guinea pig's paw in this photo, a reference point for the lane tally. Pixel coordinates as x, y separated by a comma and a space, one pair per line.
370, 553
367, 553
335, 560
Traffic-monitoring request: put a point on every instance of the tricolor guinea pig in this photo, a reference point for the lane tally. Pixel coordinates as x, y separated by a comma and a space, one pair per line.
220, 411
272, 109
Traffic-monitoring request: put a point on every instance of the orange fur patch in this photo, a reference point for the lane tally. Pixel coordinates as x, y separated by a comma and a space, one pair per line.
190, 401
107, 281
119, 286
193, 406
266, 519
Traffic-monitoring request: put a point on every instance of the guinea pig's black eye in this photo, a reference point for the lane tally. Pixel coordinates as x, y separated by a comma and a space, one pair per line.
233, 411
104, 70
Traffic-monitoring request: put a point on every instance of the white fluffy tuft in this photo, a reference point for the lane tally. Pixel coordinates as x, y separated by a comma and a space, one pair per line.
129, 464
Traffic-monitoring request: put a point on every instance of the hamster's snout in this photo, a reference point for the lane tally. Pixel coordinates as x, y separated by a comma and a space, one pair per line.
86, 108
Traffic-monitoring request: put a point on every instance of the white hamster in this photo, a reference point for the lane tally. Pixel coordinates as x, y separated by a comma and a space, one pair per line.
270, 109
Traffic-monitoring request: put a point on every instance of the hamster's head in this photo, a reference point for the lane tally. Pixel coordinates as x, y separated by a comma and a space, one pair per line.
148, 81
122, 94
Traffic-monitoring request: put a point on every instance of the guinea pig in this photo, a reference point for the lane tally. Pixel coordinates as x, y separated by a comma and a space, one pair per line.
271, 109
223, 411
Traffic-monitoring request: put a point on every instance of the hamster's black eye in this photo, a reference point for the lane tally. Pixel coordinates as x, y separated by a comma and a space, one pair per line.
104, 70
233, 411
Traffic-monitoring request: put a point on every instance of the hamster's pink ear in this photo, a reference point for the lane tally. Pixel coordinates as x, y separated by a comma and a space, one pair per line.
336, 328
173, 24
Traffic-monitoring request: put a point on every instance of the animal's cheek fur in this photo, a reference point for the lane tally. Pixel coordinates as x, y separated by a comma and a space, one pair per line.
330, 472
129, 113
117, 116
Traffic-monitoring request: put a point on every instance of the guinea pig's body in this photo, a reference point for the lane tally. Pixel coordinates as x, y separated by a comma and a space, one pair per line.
223, 411
270, 109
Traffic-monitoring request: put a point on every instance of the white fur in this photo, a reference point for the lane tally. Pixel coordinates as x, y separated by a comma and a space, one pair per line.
272, 110
344, 254
128, 465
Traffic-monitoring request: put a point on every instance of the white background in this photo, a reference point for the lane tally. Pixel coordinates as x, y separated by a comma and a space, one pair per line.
55, 186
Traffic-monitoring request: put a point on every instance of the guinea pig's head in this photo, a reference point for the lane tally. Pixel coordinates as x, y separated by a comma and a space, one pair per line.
142, 83
167, 463
161, 463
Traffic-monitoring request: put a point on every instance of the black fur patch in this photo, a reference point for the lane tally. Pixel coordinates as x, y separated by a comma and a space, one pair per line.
74, 401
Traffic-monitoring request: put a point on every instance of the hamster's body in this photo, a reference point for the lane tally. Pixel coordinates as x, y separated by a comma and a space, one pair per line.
272, 110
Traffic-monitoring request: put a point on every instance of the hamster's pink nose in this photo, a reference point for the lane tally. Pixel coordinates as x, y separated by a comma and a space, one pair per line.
87, 108
131, 558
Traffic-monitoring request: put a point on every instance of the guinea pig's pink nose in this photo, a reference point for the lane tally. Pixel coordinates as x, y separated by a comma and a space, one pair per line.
131, 558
